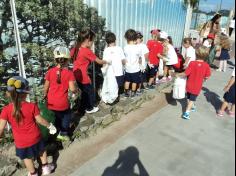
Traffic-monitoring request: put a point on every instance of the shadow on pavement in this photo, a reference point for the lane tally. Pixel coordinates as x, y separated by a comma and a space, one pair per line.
125, 164
212, 98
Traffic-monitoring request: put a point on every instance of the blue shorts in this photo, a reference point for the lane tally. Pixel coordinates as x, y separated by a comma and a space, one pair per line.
153, 71
133, 77
31, 152
192, 97
120, 80
230, 95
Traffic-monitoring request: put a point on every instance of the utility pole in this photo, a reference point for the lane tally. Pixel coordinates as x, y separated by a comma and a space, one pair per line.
221, 2
18, 41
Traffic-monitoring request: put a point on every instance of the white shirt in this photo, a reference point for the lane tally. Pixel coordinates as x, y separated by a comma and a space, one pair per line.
115, 54
189, 53
233, 74
207, 44
232, 24
172, 57
145, 51
133, 54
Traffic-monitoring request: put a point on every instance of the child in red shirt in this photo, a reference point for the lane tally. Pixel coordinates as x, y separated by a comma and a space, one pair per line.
197, 72
83, 57
155, 50
58, 81
23, 117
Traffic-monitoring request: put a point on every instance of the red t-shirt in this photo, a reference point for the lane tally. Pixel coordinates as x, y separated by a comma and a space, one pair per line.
27, 133
58, 93
84, 58
155, 48
197, 71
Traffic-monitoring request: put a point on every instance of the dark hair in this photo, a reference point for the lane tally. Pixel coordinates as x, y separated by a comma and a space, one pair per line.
16, 99
62, 63
131, 35
82, 36
216, 17
187, 41
170, 40
110, 38
139, 35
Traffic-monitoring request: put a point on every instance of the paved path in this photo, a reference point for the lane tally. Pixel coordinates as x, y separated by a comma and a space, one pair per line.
166, 145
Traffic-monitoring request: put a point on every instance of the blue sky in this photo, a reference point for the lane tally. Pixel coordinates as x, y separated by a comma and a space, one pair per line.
209, 5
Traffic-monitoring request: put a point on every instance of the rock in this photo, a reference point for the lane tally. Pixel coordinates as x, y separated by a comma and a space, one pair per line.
8, 166
107, 120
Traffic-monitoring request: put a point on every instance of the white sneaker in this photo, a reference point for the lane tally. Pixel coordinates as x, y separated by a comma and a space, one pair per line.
94, 110
46, 170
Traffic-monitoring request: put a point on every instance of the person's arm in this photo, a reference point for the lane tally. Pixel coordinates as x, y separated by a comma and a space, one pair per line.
3, 123
52, 129
46, 88
73, 87
230, 83
40, 120
100, 62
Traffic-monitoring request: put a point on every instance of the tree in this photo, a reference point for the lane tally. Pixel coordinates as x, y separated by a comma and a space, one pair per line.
43, 24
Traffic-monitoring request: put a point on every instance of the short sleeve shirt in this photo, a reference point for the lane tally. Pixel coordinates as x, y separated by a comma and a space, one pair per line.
191, 54
26, 133
84, 58
155, 48
116, 55
133, 54
58, 93
145, 51
196, 73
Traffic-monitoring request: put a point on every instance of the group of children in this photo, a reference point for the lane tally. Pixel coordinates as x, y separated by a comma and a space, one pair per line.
131, 65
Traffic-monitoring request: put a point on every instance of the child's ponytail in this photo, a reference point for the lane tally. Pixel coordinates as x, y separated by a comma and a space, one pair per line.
16, 99
61, 62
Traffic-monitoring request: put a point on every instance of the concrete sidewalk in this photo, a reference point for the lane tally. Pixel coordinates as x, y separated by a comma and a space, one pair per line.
167, 145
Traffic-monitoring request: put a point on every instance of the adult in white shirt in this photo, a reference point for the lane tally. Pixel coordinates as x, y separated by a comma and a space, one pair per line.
231, 26
188, 52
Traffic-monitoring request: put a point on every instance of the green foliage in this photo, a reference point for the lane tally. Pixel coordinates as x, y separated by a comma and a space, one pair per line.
42, 27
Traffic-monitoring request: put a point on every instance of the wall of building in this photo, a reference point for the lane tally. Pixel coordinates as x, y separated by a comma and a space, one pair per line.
142, 15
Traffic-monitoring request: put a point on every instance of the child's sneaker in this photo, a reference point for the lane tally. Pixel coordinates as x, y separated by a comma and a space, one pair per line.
94, 110
46, 170
220, 113
163, 80
194, 108
231, 114
186, 116
169, 78
127, 95
133, 94
63, 138
139, 92
150, 87
29, 174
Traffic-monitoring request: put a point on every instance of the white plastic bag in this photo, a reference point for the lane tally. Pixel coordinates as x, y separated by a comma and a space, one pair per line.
110, 88
161, 68
179, 90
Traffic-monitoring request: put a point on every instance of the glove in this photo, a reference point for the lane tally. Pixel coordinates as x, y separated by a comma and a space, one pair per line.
52, 129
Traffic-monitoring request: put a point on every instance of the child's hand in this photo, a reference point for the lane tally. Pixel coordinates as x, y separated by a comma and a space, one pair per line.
52, 129
150, 65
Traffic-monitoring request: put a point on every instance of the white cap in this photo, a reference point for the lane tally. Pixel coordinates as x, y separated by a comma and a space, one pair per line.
61, 52
164, 35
